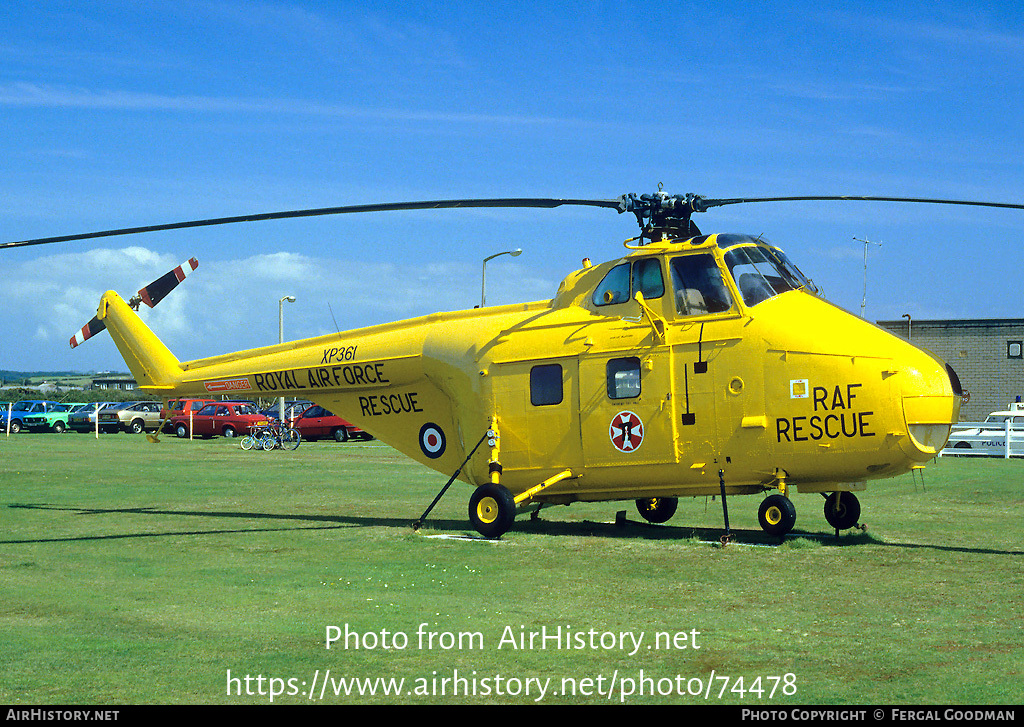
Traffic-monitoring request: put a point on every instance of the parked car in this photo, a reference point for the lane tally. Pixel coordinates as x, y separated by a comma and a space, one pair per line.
988, 438
53, 420
83, 417
35, 414
222, 418
133, 416
316, 422
292, 410
182, 406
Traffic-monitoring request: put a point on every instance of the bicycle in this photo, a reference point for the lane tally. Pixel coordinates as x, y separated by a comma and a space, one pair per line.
254, 439
280, 437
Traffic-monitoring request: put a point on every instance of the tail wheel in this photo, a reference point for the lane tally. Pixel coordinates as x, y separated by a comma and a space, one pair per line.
657, 509
492, 510
777, 515
842, 510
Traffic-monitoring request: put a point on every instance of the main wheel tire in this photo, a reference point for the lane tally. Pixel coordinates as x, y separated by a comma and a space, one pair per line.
657, 509
842, 510
492, 510
777, 515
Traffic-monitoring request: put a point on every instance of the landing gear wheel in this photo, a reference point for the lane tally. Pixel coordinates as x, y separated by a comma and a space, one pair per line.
657, 509
842, 510
777, 515
492, 510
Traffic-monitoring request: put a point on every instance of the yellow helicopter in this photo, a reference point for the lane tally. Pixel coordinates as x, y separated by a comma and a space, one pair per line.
693, 365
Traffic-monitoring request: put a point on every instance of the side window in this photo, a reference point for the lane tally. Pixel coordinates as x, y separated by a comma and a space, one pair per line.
623, 378
647, 278
614, 288
624, 280
546, 385
699, 286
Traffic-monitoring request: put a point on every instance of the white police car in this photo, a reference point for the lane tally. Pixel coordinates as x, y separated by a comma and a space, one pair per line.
989, 438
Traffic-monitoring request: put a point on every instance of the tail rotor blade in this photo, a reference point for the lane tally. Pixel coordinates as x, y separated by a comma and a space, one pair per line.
89, 330
150, 295
159, 288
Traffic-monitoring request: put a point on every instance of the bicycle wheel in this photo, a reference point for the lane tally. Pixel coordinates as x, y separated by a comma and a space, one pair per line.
290, 439
248, 442
268, 442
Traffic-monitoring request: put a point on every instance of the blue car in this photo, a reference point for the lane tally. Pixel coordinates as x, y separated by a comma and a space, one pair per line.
34, 414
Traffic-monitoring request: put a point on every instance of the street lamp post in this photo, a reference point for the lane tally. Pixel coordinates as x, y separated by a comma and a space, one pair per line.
483, 275
280, 339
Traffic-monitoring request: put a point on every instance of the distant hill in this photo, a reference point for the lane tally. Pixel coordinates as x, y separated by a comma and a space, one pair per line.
35, 376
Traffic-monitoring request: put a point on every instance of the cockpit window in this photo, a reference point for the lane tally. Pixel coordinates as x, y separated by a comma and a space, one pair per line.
699, 286
762, 273
643, 276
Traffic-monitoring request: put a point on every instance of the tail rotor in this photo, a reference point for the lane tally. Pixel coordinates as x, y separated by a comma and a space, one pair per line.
150, 295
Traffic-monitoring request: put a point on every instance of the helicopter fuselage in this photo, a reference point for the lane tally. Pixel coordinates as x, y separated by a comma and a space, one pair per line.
681, 369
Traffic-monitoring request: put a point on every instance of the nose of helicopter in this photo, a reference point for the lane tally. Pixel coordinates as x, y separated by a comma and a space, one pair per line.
931, 395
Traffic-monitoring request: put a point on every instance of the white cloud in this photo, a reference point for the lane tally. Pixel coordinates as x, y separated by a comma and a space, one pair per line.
229, 305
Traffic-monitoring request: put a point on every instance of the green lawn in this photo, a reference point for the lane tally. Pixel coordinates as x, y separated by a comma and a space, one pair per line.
196, 572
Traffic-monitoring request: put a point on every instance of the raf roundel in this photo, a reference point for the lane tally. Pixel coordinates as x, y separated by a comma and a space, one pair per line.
432, 440
626, 431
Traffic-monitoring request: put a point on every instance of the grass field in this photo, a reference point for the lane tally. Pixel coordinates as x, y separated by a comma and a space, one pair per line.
198, 573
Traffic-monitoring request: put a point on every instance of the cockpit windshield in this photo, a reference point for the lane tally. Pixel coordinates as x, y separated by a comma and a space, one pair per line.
763, 272
698, 285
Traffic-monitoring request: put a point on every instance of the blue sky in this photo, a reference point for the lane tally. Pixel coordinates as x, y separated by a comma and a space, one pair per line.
124, 113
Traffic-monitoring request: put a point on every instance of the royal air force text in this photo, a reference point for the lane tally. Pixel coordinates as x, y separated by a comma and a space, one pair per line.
323, 377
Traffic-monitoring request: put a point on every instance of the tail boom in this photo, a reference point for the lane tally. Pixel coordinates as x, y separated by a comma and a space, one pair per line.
152, 364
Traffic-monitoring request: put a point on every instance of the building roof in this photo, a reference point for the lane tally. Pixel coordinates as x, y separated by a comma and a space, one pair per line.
956, 323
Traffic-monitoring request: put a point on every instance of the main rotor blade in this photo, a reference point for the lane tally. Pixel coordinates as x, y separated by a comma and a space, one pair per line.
387, 207
700, 203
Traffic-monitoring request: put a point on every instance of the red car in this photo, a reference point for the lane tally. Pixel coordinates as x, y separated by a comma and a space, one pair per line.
222, 418
316, 422
183, 406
